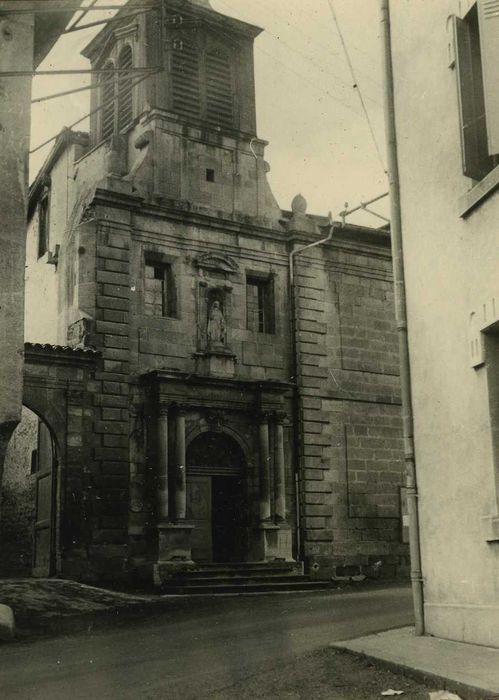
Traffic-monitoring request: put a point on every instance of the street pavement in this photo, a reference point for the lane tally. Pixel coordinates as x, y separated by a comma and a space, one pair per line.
196, 651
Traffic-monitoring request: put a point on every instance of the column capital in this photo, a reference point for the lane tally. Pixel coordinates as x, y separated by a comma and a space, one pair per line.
163, 409
181, 409
263, 417
280, 417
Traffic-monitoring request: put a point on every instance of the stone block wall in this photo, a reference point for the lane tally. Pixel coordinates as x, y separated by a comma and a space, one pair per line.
109, 493
351, 432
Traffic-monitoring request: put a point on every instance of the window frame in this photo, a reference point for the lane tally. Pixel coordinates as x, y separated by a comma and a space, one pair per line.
43, 225
265, 300
116, 81
169, 294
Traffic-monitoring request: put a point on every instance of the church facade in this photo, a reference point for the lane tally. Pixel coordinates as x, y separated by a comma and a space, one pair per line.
243, 404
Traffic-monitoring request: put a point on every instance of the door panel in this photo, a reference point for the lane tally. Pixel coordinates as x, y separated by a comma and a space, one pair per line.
43, 530
199, 509
228, 542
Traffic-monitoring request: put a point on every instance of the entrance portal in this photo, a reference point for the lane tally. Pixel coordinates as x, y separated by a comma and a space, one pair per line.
216, 498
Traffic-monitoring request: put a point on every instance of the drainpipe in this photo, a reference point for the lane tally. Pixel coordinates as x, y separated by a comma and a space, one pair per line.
296, 395
401, 319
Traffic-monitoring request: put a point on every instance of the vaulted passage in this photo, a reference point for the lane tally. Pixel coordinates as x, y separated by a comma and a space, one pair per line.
217, 498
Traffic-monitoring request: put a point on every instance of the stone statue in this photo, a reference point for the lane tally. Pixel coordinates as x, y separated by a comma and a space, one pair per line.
216, 326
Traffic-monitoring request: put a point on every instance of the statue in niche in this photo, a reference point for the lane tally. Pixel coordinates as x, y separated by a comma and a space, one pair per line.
216, 326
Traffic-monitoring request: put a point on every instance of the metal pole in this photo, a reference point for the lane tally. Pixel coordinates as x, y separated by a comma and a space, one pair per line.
401, 319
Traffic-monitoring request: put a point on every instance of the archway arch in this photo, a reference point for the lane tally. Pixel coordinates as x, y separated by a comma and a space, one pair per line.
217, 495
28, 505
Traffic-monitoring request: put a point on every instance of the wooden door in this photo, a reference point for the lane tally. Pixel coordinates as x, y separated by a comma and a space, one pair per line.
199, 510
44, 504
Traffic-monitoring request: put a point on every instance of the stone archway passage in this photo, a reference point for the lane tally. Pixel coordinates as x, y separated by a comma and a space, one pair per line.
27, 510
217, 498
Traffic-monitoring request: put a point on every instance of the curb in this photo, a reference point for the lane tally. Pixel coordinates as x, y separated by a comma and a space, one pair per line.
467, 692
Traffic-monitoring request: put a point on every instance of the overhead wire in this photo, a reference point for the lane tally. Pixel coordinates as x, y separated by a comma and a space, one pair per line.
85, 87
314, 41
356, 84
308, 58
83, 14
98, 109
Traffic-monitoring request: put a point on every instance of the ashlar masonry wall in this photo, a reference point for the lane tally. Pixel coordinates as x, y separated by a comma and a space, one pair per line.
351, 447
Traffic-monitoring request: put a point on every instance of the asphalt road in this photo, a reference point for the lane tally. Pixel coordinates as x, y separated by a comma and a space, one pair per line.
192, 653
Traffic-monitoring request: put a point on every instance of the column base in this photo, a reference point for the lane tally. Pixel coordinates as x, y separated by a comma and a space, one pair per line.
272, 542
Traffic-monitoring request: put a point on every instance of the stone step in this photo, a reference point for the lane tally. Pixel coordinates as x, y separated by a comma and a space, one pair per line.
268, 586
225, 572
239, 580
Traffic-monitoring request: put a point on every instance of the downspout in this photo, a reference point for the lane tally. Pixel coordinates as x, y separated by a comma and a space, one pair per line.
401, 320
296, 393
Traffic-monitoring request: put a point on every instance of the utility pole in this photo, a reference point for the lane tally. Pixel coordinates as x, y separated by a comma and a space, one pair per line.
401, 319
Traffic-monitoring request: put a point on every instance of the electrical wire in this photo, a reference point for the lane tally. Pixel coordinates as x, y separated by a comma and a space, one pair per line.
80, 89
308, 58
83, 14
313, 40
355, 82
97, 109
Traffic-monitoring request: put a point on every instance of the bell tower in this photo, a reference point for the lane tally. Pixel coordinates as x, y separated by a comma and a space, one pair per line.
186, 136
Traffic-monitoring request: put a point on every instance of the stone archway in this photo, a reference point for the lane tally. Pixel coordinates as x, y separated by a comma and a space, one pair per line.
217, 497
28, 506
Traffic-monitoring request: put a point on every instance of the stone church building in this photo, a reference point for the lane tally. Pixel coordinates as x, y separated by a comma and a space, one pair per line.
214, 392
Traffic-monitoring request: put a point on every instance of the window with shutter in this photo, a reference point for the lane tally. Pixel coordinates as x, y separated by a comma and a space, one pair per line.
477, 160
219, 90
107, 101
125, 96
488, 17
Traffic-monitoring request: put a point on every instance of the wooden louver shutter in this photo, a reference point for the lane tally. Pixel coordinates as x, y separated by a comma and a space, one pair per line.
125, 97
219, 101
107, 98
488, 17
476, 161
186, 98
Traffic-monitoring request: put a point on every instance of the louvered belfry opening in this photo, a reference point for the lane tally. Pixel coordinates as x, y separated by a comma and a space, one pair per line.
125, 96
219, 97
202, 78
185, 74
107, 97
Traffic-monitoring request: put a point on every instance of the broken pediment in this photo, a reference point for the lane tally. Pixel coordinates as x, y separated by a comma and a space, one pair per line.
217, 262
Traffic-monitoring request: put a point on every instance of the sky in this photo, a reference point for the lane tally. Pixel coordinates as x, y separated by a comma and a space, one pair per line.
320, 144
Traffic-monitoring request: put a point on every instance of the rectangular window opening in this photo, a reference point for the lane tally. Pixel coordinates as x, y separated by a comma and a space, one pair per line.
260, 305
159, 290
43, 226
210, 175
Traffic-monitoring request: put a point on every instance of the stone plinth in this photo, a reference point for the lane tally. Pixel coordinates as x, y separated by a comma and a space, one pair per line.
272, 542
174, 542
217, 363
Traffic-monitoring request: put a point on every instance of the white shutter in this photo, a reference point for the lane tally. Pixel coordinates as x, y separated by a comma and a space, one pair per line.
488, 17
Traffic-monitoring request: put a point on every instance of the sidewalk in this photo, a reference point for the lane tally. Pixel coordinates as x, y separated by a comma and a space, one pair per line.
466, 669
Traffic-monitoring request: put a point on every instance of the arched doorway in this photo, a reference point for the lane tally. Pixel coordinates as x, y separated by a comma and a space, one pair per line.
216, 498
27, 508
